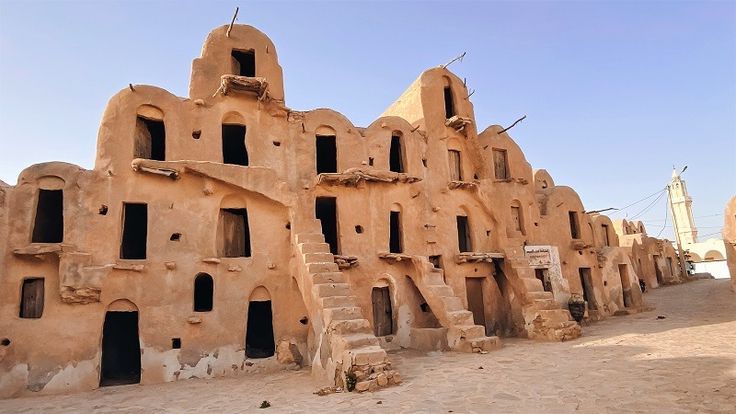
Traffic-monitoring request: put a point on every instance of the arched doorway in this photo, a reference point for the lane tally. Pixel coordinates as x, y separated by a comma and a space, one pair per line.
259, 340
121, 350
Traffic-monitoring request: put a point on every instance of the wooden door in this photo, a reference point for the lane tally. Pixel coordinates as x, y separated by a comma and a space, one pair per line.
474, 292
383, 322
31, 304
456, 173
499, 163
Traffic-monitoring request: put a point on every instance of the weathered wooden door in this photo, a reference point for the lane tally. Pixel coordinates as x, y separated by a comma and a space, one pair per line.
474, 291
383, 321
586, 280
31, 304
456, 172
499, 164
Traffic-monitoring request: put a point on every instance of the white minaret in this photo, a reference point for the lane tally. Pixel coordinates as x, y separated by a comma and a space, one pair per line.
682, 211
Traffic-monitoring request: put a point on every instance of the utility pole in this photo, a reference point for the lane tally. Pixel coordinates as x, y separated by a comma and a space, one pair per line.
680, 252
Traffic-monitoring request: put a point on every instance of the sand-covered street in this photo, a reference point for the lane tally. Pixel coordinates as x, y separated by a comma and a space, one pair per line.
683, 363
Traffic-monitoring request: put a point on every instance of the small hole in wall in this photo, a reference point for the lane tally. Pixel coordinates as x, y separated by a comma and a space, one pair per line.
277, 143
580, 252
424, 307
370, 161
175, 237
103, 210
605, 283
288, 226
475, 176
475, 270
175, 343
5, 342
304, 320
488, 233
196, 134
358, 229
536, 224
424, 162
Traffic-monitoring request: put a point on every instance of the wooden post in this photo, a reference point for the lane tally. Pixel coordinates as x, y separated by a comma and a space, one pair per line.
232, 22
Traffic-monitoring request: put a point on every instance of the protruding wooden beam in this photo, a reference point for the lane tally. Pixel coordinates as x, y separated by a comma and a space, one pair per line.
232, 22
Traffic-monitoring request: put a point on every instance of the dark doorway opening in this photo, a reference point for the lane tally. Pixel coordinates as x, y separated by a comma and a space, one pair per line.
135, 231
383, 320
657, 270
449, 103
32, 298
325, 209
463, 234
623, 272
121, 352
234, 233
203, 291
395, 244
48, 226
326, 154
474, 292
259, 342
543, 276
233, 144
244, 62
586, 281
574, 225
150, 139
396, 155
501, 317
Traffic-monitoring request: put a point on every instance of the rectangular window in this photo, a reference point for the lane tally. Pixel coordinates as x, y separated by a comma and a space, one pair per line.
463, 234
31, 300
500, 164
516, 217
574, 227
233, 145
326, 154
543, 276
436, 261
234, 233
244, 62
396, 156
150, 139
606, 241
395, 242
449, 103
456, 172
135, 231
48, 225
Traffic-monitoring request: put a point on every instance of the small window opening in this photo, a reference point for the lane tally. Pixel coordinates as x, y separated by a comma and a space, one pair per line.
396, 161
424, 162
175, 343
203, 290
175, 237
288, 226
150, 139
574, 226
49, 222
233, 145
103, 210
32, 298
449, 103
463, 234
135, 231
606, 240
259, 341
500, 163
395, 236
370, 161
244, 62
325, 210
456, 172
196, 134
326, 154
359, 229
304, 320
436, 261
233, 233
276, 143
5, 342
424, 307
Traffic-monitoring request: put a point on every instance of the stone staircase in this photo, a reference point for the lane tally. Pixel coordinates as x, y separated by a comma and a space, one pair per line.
543, 316
462, 333
346, 352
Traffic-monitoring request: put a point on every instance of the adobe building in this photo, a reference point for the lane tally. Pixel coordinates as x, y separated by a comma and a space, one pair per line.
225, 233
729, 239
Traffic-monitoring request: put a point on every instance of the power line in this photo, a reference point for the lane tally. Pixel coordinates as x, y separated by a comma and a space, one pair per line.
666, 212
639, 214
639, 201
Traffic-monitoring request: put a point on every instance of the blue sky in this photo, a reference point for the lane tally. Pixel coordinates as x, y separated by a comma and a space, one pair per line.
615, 93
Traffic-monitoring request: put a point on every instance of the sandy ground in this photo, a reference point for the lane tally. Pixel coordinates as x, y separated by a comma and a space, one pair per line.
683, 363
